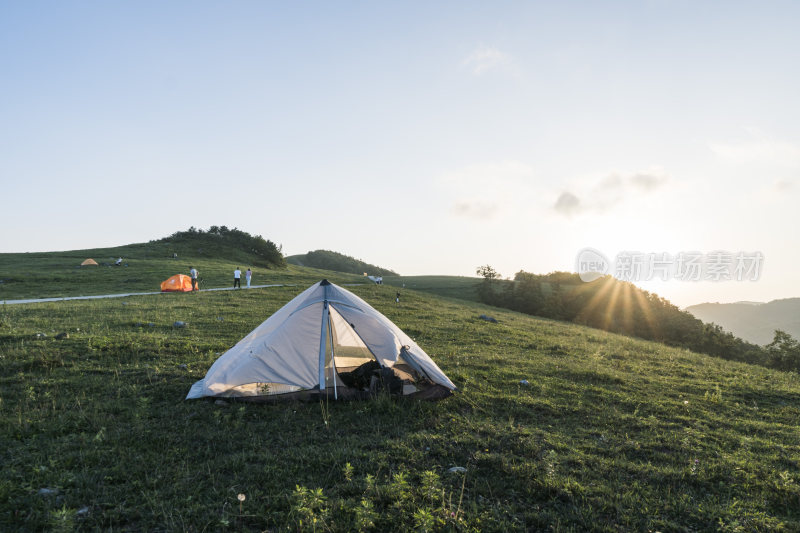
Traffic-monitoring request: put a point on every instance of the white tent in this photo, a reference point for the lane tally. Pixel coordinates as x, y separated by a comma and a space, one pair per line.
326, 339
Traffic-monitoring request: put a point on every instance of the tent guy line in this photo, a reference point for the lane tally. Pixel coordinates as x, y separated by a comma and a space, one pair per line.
125, 295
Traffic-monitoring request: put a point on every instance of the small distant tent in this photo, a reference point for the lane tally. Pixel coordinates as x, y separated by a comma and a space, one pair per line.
89, 262
326, 342
177, 283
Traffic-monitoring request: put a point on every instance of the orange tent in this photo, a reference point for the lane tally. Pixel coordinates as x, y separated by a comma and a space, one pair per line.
178, 282
88, 262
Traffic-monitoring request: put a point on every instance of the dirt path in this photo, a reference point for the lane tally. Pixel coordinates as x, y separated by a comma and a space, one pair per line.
125, 295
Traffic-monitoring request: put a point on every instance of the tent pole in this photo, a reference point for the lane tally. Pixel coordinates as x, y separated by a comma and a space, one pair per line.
322, 338
333, 358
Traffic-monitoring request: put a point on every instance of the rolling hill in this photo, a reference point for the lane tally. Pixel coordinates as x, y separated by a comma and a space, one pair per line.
214, 253
754, 322
328, 260
605, 433
610, 433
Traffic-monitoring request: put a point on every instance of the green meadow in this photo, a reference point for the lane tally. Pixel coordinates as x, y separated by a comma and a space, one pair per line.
461, 287
144, 267
607, 433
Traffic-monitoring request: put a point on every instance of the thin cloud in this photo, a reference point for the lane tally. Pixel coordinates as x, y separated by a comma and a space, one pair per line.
612, 182
491, 190
609, 191
602, 194
648, 181
568, 204
475, 209
486, 58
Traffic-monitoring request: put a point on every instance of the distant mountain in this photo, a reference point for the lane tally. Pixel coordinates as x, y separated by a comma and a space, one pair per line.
328, 260
754, 322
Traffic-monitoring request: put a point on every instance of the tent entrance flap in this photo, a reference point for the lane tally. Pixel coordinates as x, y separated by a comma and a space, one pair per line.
344, 350
348, 348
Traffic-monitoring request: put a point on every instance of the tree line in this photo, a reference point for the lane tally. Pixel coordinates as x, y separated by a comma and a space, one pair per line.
621, 307
267, 251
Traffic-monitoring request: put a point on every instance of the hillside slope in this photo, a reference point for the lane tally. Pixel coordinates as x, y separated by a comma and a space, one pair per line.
328, 260
461, 287
754, 322
144, 267
609, 434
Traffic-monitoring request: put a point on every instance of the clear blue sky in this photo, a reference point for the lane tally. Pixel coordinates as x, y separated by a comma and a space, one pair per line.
427, 137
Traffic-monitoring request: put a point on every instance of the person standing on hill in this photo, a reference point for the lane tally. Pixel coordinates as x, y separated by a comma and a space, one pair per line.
247, 276
237, 278
193, 275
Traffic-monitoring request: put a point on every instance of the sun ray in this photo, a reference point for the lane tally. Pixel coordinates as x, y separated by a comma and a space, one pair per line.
615, 305
646, 309
627, 308
597, 299
612, 303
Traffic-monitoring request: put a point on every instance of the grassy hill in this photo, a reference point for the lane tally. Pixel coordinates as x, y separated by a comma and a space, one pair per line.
144, 267
611, 434
622, 307
328, 260
755, 322
462, 287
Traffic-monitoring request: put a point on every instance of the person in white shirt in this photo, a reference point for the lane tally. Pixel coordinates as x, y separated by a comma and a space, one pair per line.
237, 278
193, 275
247, 276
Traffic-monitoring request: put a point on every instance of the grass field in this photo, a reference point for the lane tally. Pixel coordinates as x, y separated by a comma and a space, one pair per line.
610, 434
460, 287
145, 266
